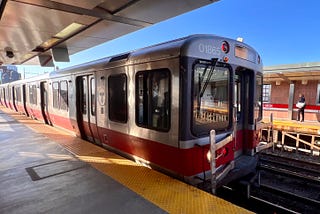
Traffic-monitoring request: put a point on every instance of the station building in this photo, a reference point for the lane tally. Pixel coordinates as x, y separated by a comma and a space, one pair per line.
282, 86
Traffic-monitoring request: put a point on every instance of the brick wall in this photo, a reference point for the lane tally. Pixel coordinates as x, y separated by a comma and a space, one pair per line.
280, 95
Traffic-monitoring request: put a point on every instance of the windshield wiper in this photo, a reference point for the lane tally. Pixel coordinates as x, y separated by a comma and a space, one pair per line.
213, 66
204, 87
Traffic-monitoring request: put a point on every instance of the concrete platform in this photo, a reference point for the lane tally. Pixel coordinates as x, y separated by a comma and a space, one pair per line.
37, 175
46, 170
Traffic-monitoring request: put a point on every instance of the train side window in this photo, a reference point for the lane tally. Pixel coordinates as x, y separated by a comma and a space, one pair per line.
84, 96
18, 94
153, 99
64, 95
55, 94
3, 94
93, 96
30, 94
258, 98
117, 98
237, 88
33, 94
9, 92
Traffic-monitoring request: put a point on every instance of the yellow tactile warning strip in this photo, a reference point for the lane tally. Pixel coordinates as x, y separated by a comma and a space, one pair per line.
167, 193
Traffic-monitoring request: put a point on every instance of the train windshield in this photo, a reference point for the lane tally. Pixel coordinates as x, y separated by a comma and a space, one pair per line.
210, 98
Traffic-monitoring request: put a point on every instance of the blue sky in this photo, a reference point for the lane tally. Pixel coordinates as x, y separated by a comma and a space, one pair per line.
282, 31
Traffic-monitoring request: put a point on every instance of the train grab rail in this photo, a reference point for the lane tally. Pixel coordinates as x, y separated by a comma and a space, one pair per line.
213, 148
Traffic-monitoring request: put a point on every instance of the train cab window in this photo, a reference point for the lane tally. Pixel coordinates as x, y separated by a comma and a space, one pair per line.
153, 99
210, 98
117, 98
55, 94
64, 95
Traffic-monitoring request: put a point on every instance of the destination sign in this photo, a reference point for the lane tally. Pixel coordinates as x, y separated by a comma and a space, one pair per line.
244, 53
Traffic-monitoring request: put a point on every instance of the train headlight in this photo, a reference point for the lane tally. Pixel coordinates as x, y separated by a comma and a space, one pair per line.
209, 156
225, 47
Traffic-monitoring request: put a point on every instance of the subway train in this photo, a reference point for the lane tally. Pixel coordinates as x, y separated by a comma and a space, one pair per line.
190, 107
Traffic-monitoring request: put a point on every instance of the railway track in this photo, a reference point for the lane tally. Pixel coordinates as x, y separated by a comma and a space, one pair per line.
301, 169
293, 183
286, 183
253, 202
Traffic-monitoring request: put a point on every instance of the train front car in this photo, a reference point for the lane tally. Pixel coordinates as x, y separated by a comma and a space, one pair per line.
221, 106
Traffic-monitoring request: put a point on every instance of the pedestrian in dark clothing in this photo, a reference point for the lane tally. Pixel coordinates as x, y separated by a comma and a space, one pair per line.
301, 106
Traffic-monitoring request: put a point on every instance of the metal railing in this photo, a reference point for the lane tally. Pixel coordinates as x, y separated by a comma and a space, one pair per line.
215, 176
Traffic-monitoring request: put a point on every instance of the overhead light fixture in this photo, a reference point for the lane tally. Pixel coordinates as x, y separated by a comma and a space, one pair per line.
69, 30
59, 37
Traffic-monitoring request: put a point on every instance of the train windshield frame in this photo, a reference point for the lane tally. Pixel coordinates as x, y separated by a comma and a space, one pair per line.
211, 97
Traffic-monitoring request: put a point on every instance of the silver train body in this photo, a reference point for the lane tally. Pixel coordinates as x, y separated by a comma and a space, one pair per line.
157, 105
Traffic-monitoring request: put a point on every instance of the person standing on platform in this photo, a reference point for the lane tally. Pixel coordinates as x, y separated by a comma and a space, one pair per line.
301, 106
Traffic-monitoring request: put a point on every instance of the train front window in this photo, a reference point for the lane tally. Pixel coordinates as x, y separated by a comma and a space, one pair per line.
210, 98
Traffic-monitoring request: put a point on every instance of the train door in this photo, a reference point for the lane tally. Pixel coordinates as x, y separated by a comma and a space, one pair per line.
24, 99
44, 102
244, 97
86, 108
